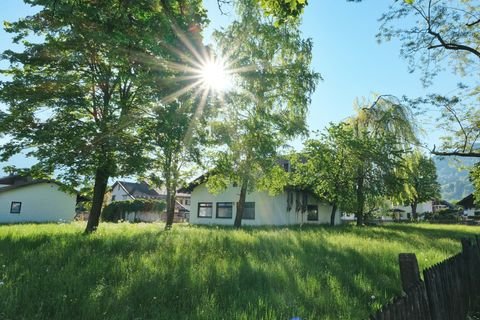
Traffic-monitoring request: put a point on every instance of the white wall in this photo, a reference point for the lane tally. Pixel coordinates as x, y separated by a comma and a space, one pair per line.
40, 203
120, 193
143, 216
269, 210
421, 208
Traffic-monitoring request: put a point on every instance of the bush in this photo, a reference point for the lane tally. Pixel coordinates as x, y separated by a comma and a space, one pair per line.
117, 210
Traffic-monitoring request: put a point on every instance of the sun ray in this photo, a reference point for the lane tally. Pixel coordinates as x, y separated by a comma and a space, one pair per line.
200, 56
180, 92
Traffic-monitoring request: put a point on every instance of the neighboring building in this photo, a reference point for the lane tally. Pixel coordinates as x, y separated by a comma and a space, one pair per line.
122, 190
288, 208
23, 199
439, 205
468, 204
405, 212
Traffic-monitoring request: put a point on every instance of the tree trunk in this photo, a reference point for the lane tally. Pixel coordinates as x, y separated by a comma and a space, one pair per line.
101, 180
334, 212
414, 211
360, 202
171, 194
241, 204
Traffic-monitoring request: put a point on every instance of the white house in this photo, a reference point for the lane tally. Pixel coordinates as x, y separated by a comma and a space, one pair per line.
122, 190
288, 208
405, 212
468, 204
23, 199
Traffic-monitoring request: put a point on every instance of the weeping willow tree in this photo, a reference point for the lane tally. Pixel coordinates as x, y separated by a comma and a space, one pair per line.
382, 133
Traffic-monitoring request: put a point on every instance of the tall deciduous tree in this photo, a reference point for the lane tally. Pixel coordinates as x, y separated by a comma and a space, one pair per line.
173, 136
78, 89
420, 181
268, 104
326, 166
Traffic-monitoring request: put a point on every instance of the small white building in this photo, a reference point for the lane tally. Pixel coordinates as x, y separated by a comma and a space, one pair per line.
23, 199
405, 212
288, 208
123, 190
468, 204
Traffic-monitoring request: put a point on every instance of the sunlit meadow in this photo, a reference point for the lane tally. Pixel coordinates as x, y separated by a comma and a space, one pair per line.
139, 271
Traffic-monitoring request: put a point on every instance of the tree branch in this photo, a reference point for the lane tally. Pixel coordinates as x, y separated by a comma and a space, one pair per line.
471, 24
471, 154
450, 46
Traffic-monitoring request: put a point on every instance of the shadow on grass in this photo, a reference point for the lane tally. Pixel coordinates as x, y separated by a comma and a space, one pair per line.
202, 273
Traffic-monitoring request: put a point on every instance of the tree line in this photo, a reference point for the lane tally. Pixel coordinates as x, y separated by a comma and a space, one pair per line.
111, 88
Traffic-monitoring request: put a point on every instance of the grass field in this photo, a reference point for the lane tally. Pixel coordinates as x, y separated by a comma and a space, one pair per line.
139, 271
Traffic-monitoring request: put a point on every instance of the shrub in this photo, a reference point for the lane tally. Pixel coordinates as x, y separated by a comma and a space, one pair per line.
429, 215
117, 210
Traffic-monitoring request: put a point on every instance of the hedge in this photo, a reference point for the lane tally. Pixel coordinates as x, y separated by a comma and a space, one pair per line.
117, 210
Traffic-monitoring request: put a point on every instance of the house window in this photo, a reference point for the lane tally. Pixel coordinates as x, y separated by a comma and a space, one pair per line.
312, 213
204, 209
249, 211
187, 202
113, 198
285, 166
224, 210
15, 207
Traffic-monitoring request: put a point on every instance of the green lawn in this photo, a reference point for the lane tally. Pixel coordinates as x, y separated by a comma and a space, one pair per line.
138, 271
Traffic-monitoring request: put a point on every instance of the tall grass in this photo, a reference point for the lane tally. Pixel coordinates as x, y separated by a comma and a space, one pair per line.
139, 271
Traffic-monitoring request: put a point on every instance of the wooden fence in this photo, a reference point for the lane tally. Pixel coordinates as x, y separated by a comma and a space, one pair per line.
447, 292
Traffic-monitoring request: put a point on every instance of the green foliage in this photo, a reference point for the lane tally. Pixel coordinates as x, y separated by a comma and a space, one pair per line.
445, 216
353, 164
383, 132
116, 210
326, 166
77, 93
435, 34
124, 271
283, 10
475, 179
173, 135
419, 176
268, 104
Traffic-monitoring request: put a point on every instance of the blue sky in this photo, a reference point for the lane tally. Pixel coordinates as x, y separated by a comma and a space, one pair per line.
345, 53
352, 63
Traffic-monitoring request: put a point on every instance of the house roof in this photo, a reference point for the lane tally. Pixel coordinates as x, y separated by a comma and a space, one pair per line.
138, 190
204, 177
15, 179
28, 183
444, 203
468, 202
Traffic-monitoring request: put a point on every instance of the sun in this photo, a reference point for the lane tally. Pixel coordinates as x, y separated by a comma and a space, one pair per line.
215, 75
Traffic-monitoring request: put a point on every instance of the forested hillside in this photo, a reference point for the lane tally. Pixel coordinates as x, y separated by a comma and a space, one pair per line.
453, 176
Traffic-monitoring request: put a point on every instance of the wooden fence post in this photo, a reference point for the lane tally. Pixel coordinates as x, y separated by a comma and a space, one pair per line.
409, 273
466, 244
